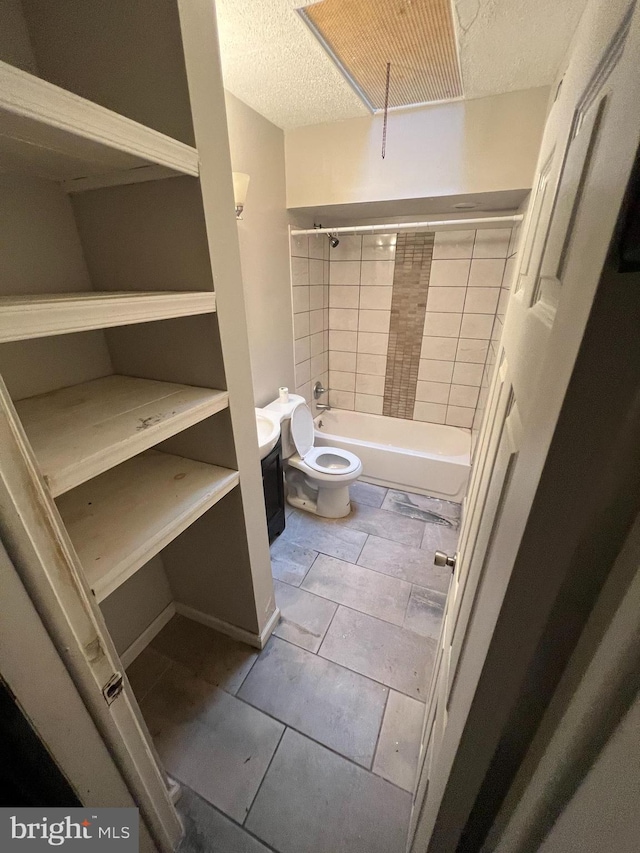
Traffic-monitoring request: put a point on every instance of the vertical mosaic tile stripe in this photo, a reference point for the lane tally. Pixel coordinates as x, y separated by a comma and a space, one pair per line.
414, 253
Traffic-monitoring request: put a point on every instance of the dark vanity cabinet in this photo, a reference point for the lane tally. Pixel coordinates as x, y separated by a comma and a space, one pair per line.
273, 483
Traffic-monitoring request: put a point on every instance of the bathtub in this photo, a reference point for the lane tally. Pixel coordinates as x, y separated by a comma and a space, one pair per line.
431, 459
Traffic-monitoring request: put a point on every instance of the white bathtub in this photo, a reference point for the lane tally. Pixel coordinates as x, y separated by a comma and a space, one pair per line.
431, 459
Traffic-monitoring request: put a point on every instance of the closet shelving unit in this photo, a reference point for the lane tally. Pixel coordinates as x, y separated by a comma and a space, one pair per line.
124, 368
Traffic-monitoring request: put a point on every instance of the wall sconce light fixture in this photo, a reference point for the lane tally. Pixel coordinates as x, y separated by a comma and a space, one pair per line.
240, 187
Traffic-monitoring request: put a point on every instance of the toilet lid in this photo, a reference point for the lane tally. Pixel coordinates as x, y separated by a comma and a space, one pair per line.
302, 429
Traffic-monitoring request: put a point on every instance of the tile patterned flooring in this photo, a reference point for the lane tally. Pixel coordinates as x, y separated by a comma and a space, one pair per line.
311, 745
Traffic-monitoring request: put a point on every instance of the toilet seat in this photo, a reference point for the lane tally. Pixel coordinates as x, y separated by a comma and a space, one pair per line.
329, 462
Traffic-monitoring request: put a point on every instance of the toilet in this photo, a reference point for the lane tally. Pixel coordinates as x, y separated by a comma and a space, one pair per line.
317, 478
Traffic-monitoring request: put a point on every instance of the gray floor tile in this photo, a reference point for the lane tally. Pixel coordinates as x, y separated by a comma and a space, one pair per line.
389, 654
145, 670
327, 702
399, 744
423, 507
425, 611
359, 588
209, 740
206, 830
320, 534
437, 537
290, 562
206, 653
367, 493
391, 525
414, 565
304, 617
313, 801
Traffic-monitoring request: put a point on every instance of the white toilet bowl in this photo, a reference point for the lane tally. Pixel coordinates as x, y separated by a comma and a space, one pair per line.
317, 478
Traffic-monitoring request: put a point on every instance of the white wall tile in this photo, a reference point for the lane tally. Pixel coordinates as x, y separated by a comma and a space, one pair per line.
349, 249
325, 295
316, 321
449, 299
432, 413
316, 271
486, 273
449, 273
467, 374
300, 298
374, 365
344, 341
325, 342
379, 247
301, 325
316, 343
470, 350
453, 244
342, 361
342, 381
317, 367
315, 297
317, 245
304, 391
432, 370
343, 318
443, 349
457, 416
432, 392
510, 271
492, 243
344, 272
368, 403
342, 399
481, 300
438, 324
476, 326
299, 246
377, 273
302, 350
372, 342
299, 272
374, 321
464, 395
303, 372
325, 361
343, 297
367, 384
376, 298
325, 275
503, 301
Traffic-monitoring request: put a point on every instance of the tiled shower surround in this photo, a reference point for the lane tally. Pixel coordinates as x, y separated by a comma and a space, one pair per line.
310, 298
411, 317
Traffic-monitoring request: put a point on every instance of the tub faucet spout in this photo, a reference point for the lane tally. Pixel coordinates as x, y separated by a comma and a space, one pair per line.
323, 407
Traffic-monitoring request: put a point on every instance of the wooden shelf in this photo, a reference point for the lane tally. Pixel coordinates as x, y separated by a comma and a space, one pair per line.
41, 315
79, 432
121, 519
49, 132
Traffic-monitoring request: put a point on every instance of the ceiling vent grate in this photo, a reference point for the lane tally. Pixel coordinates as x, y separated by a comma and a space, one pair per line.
416, 36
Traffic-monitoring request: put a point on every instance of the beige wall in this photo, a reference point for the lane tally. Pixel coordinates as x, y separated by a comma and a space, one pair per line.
257, 148
482, 145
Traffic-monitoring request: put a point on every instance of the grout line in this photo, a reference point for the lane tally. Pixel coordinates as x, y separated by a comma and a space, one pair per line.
255, 796
384, 711
317, 653
227, 817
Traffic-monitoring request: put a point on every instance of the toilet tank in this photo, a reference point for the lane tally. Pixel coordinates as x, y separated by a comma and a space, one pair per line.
284, 411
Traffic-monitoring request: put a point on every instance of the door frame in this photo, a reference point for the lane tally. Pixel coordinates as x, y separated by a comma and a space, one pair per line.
44, 581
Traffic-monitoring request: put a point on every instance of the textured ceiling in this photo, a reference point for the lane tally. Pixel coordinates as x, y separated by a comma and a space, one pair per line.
273, 63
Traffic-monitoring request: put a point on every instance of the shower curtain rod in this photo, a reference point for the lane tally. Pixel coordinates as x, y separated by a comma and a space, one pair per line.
409, 226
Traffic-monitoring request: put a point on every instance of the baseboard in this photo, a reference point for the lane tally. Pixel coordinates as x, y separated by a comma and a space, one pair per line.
141, 643
258, 641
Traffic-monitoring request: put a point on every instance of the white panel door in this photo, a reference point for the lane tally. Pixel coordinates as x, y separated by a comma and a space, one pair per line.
587, 153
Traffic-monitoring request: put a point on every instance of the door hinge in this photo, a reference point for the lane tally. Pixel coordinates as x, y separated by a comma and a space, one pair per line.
113, 687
